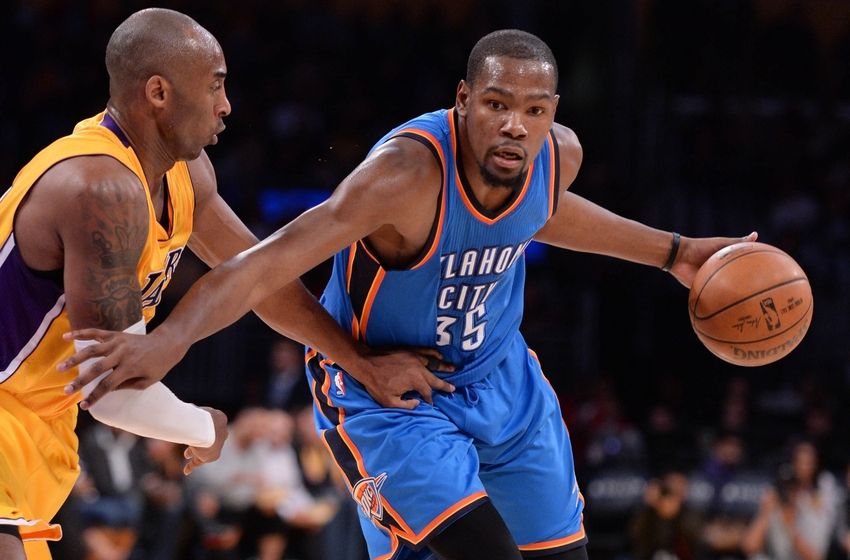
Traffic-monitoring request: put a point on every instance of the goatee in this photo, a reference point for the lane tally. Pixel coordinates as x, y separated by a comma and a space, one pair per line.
513, 183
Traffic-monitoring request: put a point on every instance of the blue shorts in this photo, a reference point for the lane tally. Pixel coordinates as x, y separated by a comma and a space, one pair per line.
413, 472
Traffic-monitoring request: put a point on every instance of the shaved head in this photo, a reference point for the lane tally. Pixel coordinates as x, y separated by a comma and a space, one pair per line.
152, 42
511, 43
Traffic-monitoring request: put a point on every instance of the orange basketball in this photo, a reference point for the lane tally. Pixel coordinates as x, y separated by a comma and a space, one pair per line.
750, 304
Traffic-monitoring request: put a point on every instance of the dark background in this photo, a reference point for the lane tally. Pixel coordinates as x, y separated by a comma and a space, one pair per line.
707, 117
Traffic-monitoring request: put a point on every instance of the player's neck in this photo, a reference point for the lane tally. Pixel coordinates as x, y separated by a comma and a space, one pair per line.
153, 157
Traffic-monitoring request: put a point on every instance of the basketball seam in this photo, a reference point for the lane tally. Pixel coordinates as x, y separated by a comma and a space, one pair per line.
734, 303
724, 265
794, 324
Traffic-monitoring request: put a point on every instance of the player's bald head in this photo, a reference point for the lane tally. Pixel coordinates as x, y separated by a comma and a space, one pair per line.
151, 42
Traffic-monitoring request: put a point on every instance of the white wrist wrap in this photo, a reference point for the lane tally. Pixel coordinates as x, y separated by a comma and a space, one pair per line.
154, 412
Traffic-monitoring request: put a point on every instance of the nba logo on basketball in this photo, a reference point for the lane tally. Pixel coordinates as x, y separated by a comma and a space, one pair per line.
771, 317
367, 493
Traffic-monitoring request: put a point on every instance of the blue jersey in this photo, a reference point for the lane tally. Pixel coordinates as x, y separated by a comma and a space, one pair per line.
464, 292
499, 437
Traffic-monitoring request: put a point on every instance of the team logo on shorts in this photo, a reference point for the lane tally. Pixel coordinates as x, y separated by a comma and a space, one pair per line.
340, 384
367, 493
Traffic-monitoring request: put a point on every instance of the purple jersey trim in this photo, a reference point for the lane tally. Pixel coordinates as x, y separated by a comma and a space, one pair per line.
26, 301
110, 123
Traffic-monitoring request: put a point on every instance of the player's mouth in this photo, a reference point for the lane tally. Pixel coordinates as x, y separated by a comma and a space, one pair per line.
215, 135
507, 157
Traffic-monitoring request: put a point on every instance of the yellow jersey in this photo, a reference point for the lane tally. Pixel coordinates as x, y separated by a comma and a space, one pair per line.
38, 447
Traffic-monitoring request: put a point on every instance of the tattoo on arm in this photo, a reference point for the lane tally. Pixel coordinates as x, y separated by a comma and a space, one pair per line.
120, 305
115, 232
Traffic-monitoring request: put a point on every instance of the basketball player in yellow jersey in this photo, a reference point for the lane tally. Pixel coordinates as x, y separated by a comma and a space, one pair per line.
90, 233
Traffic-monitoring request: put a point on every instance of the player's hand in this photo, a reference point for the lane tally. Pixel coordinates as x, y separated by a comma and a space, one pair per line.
137, 361
694, 251
389, 374
197, 456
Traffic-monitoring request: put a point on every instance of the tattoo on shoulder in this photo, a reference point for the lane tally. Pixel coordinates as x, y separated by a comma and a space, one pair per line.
116, 234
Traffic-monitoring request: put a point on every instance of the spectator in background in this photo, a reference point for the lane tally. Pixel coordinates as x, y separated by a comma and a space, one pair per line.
842, 530
165, 522
287, 387
284, 509
234, 483
798, 515
725, 460
666, 527
258, 488
723, 530
114, 462
212, 537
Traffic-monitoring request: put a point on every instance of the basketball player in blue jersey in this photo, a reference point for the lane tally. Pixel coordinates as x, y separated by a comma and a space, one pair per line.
429, 234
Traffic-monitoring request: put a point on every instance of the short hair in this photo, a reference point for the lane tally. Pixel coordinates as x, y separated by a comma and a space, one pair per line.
149, 42
512, 43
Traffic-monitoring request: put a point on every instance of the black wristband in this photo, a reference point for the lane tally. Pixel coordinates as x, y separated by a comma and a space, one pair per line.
674, 250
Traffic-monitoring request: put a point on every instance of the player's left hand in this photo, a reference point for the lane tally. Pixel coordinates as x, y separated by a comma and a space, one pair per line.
197, 456
388, 374
694, 251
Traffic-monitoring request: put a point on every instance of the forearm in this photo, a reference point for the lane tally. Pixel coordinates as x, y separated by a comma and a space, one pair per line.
581, 225
154, 412
295, 313
234, 287
218, 299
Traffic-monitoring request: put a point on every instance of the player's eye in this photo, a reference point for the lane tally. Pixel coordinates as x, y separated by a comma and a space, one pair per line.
536, 111
496, 105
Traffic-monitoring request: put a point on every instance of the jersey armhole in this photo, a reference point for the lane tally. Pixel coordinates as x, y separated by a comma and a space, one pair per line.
433, 234
556, 173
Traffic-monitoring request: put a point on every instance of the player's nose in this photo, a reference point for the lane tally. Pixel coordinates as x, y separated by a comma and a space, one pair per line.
223, 108
514, 127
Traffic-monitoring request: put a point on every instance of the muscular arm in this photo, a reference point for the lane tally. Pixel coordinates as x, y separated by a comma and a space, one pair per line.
218, 234
581, 225
391, 197
102, 229
381, 192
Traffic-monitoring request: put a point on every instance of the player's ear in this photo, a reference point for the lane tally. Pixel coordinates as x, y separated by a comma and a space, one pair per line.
156, 90
462, 99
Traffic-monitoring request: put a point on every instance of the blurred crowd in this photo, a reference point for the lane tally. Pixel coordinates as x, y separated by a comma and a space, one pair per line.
710, 118
768, 478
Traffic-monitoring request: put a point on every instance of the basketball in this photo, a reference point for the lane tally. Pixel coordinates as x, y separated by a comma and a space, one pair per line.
750, 304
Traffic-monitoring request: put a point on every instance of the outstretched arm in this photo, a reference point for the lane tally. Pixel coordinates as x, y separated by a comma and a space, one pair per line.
581, 225
381, 192
218, 234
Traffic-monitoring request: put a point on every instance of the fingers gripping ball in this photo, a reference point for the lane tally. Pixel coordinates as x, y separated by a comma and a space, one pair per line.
750, 304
